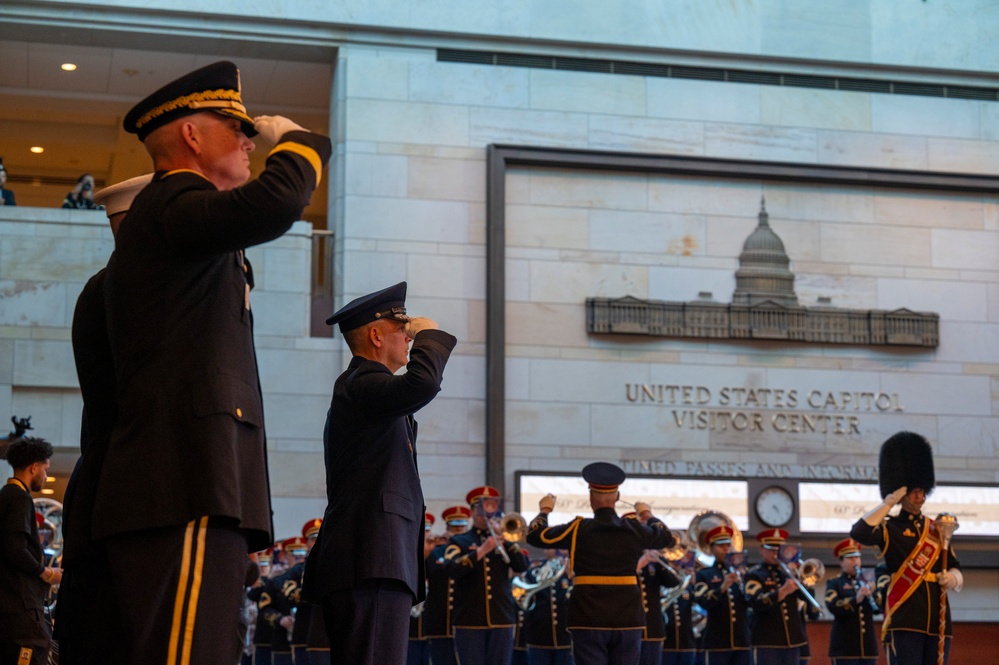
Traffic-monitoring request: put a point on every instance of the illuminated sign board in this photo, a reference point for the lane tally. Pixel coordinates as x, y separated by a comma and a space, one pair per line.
835, 507
674, 501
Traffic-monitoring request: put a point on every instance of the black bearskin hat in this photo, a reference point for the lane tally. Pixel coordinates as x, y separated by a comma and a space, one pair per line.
906, 460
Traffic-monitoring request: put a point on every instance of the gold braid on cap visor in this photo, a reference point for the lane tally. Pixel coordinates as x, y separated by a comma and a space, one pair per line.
206, 99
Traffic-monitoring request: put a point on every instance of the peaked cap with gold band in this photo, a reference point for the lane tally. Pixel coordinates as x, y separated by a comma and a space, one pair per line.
480, 493
295, 546
603, 477
311, 528
457, 515
719, 535
848, 547
213, 88
428, 521
772, 538
906, 460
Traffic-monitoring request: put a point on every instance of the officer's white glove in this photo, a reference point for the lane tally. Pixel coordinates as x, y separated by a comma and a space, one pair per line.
951, 579
874, 517
896, 496
547, 501
272, 127
418, 323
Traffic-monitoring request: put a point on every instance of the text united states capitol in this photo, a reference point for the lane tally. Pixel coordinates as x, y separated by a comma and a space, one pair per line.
757, 409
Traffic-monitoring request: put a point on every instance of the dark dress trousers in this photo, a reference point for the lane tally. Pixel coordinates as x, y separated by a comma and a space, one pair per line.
188, 440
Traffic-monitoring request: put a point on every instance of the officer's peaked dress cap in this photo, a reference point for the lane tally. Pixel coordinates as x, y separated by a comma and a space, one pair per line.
603, 477
388, 303
848, 547
213, 88
772, 539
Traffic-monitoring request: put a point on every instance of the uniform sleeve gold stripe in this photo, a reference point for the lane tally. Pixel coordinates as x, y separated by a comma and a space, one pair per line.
192, 605
178, 603
310, 155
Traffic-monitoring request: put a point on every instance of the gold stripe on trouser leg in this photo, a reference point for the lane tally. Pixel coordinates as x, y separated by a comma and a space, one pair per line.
188, 577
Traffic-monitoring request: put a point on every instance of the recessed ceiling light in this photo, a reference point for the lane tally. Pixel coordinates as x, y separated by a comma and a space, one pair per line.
37, 149
68, 67
48, 491
50, 479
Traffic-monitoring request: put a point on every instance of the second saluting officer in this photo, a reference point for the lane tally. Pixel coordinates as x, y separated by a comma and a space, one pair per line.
366, 568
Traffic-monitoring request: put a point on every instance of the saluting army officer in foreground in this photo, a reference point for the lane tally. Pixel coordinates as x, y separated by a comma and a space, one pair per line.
183, 490
606, 617
367, 567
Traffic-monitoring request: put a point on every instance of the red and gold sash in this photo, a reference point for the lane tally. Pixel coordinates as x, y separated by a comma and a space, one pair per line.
913, 570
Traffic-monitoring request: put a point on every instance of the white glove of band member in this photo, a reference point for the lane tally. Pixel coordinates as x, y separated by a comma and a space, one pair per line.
951, 579
272, 127
874, 517
641, 507
418, 323
896, 496
547, 501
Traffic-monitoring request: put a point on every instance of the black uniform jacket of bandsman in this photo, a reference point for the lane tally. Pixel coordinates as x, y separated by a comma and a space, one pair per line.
548, 619
440, 596
776, 623
853, 634
188, 440
897, 537
482, 589
680, 624
652, 578
727, 628
603, 552
373, 526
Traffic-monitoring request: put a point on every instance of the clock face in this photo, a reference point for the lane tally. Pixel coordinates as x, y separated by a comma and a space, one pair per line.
775, 506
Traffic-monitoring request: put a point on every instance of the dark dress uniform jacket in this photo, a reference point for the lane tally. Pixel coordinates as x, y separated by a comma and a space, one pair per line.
188, 440
897, 537
605, 545
727, 628
776, 623
373, 526
653, 576
853, 634
482, 590
548, 620
440, 596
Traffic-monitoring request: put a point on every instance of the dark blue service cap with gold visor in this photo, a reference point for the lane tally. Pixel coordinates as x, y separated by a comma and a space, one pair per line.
214, 88
387, 304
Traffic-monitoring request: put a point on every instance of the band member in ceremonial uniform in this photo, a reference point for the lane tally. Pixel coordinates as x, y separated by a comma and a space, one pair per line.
519, 656
652, 575
285, 593
183, 492
719, 591
309, 644
260, 595
367, 566
913, 552
777, 631
548, 639
419, 646
605, 610
484, 611
852, 640
439, 606
680, 646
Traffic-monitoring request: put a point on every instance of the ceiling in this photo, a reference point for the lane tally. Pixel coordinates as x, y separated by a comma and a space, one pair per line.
76, 116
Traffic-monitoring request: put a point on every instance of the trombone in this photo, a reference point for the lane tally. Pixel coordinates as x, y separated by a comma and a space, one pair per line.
513, 528
812, 570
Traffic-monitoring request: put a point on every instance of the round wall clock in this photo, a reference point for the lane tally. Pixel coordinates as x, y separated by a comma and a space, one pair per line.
775, 506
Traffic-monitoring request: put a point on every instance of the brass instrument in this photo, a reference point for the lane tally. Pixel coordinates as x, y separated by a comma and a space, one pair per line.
698, 530
513, 528
812, 571
545, 575
789, 552
671, 558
